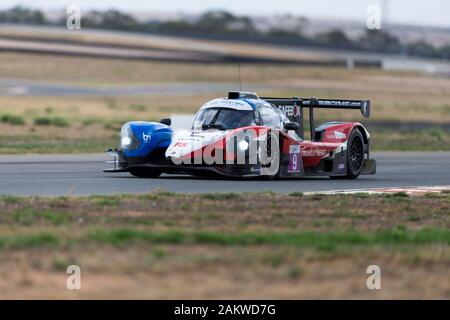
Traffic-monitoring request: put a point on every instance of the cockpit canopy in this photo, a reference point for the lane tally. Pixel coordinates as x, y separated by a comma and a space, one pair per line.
224, 118
224, 114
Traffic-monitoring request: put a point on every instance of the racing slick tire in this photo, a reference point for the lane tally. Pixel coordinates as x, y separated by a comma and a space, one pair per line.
144, 173
355, 156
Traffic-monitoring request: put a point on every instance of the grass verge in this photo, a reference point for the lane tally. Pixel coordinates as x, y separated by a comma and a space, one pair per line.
302, 239
247, 245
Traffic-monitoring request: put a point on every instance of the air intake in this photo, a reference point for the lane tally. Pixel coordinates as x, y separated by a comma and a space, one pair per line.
242, 95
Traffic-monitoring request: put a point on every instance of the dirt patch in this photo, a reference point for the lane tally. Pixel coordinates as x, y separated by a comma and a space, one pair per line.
226, 273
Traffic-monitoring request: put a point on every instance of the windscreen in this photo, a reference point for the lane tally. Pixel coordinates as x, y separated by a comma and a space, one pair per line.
223, 118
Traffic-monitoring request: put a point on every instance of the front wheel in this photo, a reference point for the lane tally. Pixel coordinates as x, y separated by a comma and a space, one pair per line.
355, 155
144, 173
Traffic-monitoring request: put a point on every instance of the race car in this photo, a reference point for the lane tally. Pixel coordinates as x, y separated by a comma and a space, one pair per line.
243, 135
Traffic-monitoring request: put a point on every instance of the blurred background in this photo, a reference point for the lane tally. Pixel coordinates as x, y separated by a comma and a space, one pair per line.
71, 72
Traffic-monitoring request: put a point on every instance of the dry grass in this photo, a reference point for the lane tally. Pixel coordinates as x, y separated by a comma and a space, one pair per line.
163, 245
168, 43
93, 124
395, 96
230, 211
102, 71
202, 272
103, 109
99, 119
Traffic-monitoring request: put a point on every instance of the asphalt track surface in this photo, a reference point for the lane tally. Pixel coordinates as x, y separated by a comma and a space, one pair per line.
50, 175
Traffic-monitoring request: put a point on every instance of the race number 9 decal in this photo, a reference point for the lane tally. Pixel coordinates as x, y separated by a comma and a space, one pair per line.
294, 158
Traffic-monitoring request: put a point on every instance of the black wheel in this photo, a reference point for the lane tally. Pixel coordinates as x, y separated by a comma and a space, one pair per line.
144, 173
355, 155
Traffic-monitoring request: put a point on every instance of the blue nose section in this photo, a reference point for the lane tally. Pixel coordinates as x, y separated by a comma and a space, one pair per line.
151, 136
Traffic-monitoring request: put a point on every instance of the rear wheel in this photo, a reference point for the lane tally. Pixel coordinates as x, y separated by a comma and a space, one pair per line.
144, 173
355, 155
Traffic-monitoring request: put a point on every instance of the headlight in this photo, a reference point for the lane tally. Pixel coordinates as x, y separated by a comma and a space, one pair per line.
243, 145
125, 142
127, 139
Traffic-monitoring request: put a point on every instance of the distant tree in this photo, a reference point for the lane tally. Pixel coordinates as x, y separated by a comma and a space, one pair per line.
422, 49
22, 15
283, 33
335, 37
174, 26
219, 23
444, 52
223, 21
289, 24
381, 41
111, 19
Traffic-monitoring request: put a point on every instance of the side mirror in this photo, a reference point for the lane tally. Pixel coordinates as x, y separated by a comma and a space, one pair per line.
166, 121
291, 125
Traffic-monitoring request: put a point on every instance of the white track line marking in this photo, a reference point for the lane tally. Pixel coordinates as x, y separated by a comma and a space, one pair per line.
408, 190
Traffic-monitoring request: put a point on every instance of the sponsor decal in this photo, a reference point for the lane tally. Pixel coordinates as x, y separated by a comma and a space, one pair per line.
343, 103
290, 110
181, 144
340, 135
335, 135
146, 137
197, 135
341, 166
294, 158
294, 148
232, 103
314, 152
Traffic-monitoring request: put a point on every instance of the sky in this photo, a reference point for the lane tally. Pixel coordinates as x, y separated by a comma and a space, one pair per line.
415, 12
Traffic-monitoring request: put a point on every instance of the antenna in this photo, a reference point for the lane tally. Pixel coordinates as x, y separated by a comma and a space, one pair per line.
240, 83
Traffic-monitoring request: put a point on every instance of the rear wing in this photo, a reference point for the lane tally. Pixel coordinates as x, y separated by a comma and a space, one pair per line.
293, 108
